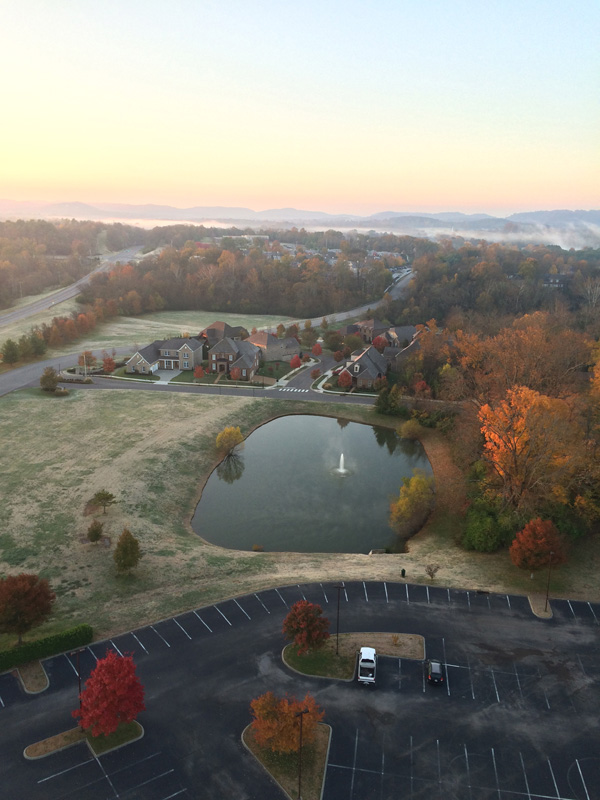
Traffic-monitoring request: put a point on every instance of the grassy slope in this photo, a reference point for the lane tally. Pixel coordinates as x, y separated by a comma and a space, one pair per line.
153, 451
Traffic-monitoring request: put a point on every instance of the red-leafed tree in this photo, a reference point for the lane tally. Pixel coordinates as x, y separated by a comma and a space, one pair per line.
295, 362
25, 602
305, 358
345, 379
108, 365
112, 694
338, 355
314, 374
277, 726
380, 343
306, 626
317, 349
235, 373
198, 372
538, 545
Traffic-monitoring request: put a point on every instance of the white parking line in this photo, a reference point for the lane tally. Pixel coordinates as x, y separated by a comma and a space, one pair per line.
386, 594
468, 770
411, 766
116, 648
471, 679
224, 617
71, 663
112, 786
428, 600
345, 592
496, 774
281, 598
324, 595
518, 681
525, 775
449, 600
64, 771
150, 780
437, 742
407, 597
262, 604
365, 589
508, 600
571, 607
202, 621
354, 763
553, 778
2, 701
301, 592
158, 634
181, 791
140, 644
445, 662
581, 665
495, 687
179, 625
595, 617
400, 674
581, 776
469, 600
92, 652
242, 609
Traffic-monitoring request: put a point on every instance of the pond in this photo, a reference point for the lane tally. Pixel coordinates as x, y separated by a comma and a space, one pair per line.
285, 490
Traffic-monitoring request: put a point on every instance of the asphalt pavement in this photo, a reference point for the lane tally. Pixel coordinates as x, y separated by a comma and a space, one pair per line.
517, 717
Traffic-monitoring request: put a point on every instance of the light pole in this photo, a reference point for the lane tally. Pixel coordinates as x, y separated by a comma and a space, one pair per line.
76, 653
339, 588
548, 584
301, 715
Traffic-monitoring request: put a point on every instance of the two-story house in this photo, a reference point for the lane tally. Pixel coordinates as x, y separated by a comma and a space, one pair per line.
180, 353
229, 354
365, 367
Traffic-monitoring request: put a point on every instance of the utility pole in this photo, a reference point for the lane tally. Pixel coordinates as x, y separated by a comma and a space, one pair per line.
339, 588
301, 715
548, 584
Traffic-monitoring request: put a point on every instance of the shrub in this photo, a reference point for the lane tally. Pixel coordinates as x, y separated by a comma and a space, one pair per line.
410, 429
49, 646
61, 392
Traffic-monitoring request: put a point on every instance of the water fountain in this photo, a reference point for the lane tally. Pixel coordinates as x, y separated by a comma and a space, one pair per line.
340, 470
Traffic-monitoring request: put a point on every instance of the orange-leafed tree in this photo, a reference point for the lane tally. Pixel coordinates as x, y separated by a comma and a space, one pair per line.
317, 349
276, 723
532, 446
198, 372
108, 364
25, 602
538, 545
306, 626
380, 343
113, 694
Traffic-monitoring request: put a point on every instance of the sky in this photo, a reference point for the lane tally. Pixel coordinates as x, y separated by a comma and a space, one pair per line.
392, 105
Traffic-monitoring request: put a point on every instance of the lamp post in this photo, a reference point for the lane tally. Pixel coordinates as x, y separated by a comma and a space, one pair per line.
339, 588
548, 583
76, 653
301, 715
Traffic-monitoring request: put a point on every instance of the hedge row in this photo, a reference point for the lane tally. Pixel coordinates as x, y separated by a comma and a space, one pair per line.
42, 648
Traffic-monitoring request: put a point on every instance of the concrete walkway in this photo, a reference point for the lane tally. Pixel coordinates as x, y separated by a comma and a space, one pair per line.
166, 375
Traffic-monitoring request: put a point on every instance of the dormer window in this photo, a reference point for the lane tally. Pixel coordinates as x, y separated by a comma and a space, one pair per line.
356, 368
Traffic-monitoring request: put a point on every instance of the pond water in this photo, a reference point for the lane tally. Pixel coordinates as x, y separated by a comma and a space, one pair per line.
285, 490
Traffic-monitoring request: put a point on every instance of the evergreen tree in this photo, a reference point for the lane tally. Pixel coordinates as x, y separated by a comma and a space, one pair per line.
127, 552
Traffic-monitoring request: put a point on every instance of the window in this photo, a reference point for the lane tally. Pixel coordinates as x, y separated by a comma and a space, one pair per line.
244, 373
356, 368
166, 352
231, 358
214, 357
143, 368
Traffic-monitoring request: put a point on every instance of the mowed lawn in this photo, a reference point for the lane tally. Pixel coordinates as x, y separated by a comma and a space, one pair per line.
154, 452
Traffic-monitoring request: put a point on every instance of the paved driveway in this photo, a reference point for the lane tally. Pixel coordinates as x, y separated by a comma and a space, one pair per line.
516, 719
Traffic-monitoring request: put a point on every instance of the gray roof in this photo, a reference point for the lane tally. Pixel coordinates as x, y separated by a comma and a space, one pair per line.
244, 350
371, 363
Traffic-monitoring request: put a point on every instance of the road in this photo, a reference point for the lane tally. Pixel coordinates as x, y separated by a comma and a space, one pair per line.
107, 262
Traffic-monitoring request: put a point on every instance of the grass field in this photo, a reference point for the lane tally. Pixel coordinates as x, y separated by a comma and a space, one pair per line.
154, 452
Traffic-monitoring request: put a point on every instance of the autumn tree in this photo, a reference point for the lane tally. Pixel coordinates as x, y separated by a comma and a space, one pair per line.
317, 349
94, 532
314, 373
229, 439
413, 505
353, 342
104, 498
306, 626
276, 721
113, 695
280, 330
235, 373
198, 372
344, 379
537, 545
87, 360
25, 602
127, 552
380, 343
295, 362
49, 379
338, 356
532, 447
108, 365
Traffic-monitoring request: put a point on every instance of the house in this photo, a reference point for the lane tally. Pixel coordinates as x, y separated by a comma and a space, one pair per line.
400, 336
369, 329
231, 354
217, 331
365, 367
274, 349
180, 353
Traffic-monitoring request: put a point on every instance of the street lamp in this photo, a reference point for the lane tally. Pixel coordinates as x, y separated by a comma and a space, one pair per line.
548, 584
301, 715
339, 588
76, 653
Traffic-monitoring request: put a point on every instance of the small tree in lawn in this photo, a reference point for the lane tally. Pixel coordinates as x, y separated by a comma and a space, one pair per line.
306, 626
127, 552
235, 373
10, 352
113, 694
538, 545
104, 498
314, 373
49, 379
305, 358
198, 372
108, 365
338, 356
25, 602
229, 439
94, 532
295, 362
87, 360
317, 349
344, 380
275, 724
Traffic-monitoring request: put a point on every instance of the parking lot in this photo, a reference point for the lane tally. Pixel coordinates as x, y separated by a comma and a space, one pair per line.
515, 718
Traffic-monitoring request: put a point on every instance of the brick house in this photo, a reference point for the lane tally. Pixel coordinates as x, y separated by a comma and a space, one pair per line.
274, 349
229, 354
180, 353
365, 367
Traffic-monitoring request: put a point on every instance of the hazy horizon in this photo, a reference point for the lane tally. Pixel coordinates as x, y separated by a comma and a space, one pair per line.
405, 107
